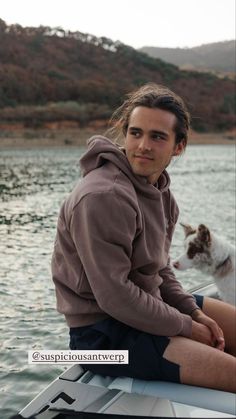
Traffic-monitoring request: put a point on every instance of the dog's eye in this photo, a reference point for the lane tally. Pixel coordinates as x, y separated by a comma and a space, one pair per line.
194, 249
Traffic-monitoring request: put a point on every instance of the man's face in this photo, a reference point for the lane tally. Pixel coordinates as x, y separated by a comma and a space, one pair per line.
150, 141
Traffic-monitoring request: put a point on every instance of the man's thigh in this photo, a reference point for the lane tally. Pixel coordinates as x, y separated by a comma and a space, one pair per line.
202, 365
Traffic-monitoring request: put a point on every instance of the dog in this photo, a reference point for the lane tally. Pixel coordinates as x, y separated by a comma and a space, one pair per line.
211, 254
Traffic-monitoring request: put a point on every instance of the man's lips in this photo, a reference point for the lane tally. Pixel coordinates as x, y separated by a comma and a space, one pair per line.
142, 157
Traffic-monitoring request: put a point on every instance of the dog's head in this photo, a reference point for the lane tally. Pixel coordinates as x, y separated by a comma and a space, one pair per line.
197, 248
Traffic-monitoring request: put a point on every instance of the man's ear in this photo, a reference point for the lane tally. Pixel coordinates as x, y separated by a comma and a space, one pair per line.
179, 148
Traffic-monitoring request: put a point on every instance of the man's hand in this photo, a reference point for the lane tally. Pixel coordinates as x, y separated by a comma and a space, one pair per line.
206, 330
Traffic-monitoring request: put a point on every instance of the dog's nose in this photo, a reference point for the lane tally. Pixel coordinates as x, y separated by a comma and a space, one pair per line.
176, 264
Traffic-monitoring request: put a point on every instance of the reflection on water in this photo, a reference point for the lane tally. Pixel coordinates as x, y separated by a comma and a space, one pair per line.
33, 184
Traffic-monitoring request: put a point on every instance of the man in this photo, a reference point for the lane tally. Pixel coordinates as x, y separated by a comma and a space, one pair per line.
110, 265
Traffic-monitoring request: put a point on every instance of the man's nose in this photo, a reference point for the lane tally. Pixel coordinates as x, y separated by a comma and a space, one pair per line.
144, 144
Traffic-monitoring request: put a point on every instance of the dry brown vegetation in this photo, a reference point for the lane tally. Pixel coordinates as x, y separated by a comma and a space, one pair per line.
51, 76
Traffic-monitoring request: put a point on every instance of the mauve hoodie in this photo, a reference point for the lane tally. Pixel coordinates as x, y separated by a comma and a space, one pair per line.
111, 250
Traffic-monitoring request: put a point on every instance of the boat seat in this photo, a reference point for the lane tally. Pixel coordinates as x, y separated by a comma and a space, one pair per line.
190, 395
75, 391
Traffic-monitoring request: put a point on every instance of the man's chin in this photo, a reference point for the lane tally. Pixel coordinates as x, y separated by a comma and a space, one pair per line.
141, 173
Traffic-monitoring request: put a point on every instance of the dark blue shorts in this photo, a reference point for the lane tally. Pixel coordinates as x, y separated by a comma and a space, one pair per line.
146, 360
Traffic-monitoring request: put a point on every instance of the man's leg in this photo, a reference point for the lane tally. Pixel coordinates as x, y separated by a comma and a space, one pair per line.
225, 315
201, 365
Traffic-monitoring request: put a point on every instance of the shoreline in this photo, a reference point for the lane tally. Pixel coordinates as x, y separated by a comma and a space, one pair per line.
71, 138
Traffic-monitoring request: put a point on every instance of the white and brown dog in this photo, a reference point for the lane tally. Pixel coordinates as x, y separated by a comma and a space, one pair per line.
211, 254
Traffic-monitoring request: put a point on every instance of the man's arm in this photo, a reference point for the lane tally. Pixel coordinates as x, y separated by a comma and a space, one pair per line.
103, 227
173, 293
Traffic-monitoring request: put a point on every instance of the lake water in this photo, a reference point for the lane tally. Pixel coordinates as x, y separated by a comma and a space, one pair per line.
32, 187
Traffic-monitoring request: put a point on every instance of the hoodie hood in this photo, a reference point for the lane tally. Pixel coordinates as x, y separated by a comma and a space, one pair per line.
102, 150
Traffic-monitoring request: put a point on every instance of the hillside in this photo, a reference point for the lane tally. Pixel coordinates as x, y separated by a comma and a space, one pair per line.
218, 57
48, 74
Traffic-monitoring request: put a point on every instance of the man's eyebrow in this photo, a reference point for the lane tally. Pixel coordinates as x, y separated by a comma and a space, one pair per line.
163, 133
153, 131
136, 128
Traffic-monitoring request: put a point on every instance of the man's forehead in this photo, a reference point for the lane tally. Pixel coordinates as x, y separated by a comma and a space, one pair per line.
154, 118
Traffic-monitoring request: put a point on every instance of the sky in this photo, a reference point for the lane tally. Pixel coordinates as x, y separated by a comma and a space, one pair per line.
138, 23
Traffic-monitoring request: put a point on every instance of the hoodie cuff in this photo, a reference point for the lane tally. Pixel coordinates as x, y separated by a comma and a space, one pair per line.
187, 326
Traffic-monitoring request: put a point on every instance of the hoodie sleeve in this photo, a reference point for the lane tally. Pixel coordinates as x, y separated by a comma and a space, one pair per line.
172, 292
103, 227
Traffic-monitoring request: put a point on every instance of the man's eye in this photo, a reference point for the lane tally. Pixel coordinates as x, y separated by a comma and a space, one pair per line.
135, 134
157, 137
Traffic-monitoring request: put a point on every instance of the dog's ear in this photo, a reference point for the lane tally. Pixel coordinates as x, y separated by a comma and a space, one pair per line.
188, 229
204, 235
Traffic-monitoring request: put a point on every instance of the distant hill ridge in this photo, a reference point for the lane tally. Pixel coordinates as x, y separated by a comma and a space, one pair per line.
49, 74
217, 57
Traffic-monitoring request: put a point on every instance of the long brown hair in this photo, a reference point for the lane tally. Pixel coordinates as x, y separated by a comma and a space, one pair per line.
151, 95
